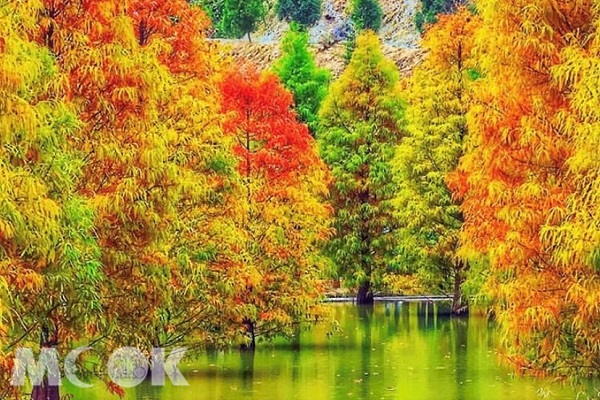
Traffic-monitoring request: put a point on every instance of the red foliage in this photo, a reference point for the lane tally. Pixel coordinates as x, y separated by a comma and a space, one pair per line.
114, 388
271, 141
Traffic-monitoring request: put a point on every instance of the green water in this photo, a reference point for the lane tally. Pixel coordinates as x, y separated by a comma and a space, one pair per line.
388, 352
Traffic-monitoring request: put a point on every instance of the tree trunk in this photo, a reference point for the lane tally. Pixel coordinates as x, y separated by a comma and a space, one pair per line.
365, 294
458, 306
249, 38
45, 391
250, 331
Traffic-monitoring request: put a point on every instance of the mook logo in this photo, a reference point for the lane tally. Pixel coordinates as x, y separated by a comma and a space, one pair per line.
127, 367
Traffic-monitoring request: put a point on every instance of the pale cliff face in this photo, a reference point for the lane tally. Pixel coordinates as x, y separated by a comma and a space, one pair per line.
398, 33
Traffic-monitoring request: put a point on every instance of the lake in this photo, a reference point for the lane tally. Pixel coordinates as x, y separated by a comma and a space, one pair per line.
390, 351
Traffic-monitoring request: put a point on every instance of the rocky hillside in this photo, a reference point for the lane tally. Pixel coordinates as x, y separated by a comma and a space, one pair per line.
398, 33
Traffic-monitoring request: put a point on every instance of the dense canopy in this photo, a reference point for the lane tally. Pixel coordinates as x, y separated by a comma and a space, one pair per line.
154, 192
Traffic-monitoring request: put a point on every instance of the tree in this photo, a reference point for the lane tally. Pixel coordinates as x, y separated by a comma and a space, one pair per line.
115, 86
439, 97
49, 260
518, 186
298, 72
158, 168
213, 8
241, 17
575, 239
366, 14
203, 245
286, 220
303, 12
430, 9
360, 120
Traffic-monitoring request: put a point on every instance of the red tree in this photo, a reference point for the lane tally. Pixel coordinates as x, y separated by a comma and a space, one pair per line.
271, 141
285, 220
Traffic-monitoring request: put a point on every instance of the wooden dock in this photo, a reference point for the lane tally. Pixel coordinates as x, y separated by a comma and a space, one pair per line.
404, 299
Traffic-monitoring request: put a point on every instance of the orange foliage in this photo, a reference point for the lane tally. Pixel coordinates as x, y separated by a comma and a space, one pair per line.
514, 179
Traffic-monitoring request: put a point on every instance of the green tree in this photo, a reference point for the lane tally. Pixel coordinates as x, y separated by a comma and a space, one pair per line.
438, 100
360, 121
241, 17
304, 12
430, 9
213, 8
366, 14
300, 75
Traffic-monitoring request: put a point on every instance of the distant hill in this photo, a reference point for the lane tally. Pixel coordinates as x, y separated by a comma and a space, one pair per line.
398, 33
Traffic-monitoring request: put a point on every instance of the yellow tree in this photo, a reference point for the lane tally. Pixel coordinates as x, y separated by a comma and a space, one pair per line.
49, 261
439, 97
574, 235
515, 182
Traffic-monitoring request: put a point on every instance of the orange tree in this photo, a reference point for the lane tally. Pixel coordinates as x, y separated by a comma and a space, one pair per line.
516, 183
204, 242
158, 171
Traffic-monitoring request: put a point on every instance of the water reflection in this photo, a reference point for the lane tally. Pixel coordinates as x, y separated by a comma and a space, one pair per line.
389, 351
247, 368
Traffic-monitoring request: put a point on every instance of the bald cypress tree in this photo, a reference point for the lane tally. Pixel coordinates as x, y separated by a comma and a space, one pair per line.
367, 14
360, 120
300, 75
439, 95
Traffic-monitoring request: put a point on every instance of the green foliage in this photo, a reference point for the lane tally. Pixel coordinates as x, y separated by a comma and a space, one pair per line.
213, 8
366, 14
360, 120
428, 14
304, 12
300, 75
241, 17
475, 278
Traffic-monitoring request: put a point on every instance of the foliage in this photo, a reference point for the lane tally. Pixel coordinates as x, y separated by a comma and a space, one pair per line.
439, 97
49, 259
430, 9
300, 75
142, 79
360, 120
202, 245
151, 196
303, 12
404, 285
286, 220
523, 191
241, 17
366, 14
212, 8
